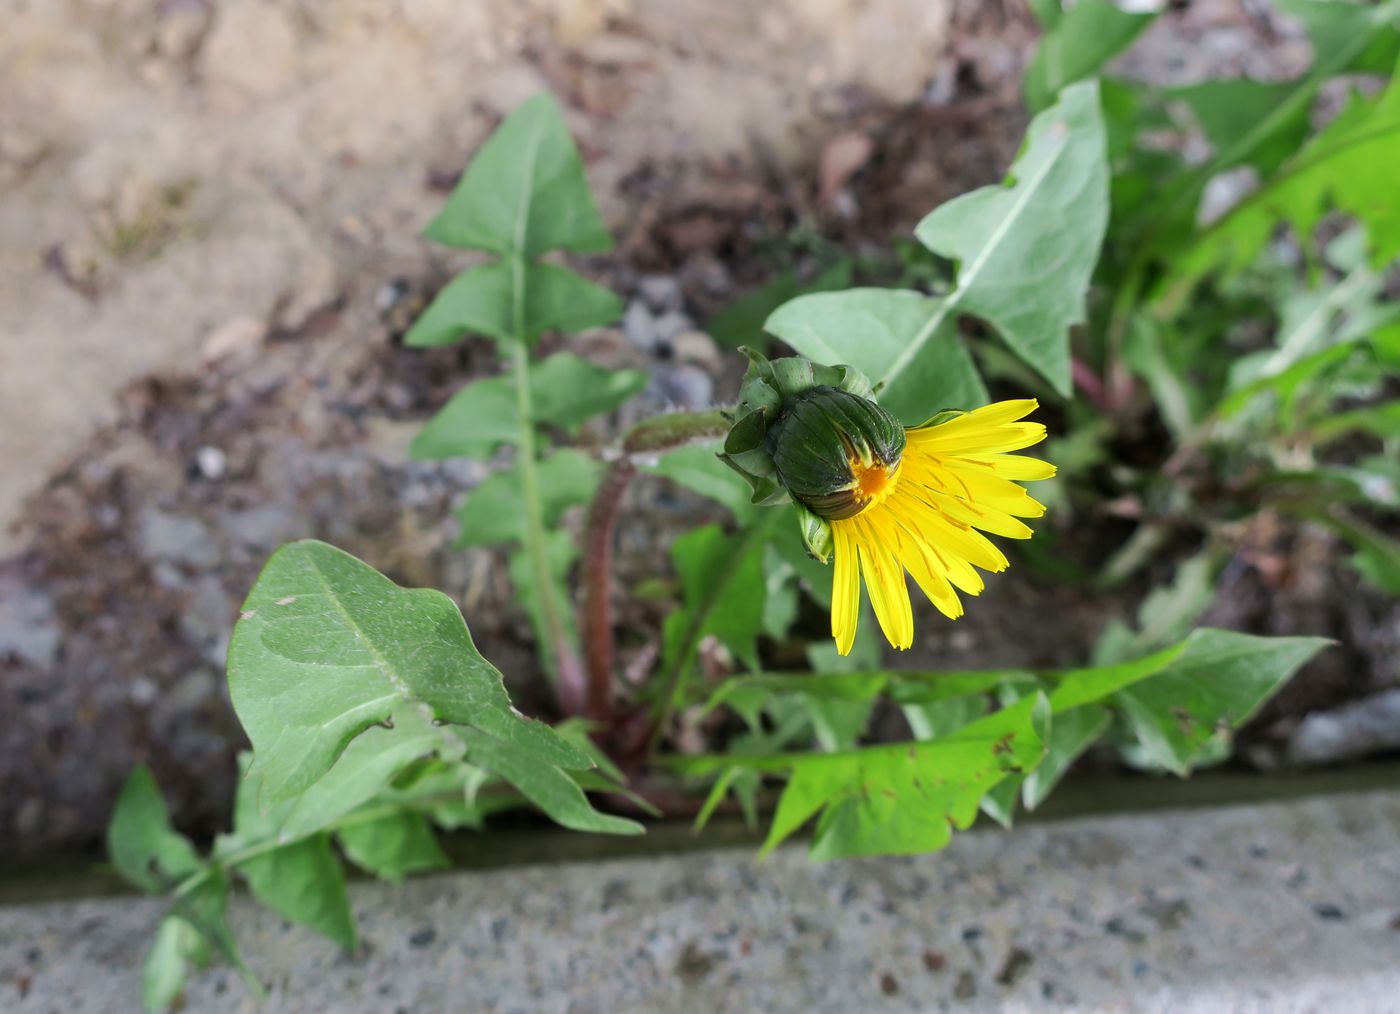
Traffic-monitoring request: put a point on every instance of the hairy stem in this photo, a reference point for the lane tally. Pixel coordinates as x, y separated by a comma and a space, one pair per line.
675, 429
653, 435
598, 647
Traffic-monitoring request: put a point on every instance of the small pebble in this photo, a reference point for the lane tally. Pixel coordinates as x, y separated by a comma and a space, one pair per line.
662, 292
639, 326
212, 463
670, 326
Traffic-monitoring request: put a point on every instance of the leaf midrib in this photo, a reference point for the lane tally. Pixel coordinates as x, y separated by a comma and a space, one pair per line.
399, 686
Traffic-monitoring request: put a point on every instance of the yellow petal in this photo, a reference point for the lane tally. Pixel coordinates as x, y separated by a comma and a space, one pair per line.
884, 580
845, 588
996, 439
972, 484
995, 414
928, 573
959, 571
989, 519
1020, 467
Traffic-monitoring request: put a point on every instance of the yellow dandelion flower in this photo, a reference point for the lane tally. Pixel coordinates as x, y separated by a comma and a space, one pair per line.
925, 512
885, 500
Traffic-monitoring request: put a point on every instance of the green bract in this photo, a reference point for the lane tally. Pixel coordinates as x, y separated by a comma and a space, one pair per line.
798, 427
818, 441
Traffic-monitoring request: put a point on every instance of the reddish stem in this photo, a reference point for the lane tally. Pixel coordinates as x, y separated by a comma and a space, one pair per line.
1089, 382
597, 600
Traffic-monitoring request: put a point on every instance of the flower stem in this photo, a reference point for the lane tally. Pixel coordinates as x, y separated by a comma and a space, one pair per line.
653, 435
598, 647
676, 429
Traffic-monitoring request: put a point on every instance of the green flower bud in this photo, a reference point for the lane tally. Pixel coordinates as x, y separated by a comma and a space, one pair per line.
835, 451
816, 534
838, 445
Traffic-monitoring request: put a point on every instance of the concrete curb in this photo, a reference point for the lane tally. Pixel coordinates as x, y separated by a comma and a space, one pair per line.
1279, 907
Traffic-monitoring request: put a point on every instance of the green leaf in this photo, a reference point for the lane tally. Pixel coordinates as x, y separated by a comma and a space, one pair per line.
781, 600
392, 847
303, 882
747, 694
838, 724
923, 693
1227, 109
1381, 420
1169, 612
1071, 733
1026, 251
141, 842
1377, 556
525, 191
1213, 686
481, 301
1378, 561
1085, 686
698, 468
565, 390
1386, 341
368, 765
716, 795
1346, 168
1000, 801
176, 945
1079, 42
1318, 330
724, 594
492, 513
475, 421
886, 334
204, 908
935, 719
1048, 12
327, 647
546, 786
905, 797
741, 322
476, 302
1348, 37
1025, 254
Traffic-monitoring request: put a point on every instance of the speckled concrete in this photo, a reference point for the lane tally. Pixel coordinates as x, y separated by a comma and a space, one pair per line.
1289, 907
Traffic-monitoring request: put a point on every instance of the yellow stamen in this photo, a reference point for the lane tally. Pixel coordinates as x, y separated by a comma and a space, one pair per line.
873, 482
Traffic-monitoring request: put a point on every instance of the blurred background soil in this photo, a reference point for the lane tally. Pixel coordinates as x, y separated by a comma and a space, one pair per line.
209, 250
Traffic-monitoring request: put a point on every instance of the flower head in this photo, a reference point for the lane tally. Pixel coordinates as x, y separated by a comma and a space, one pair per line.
883, 499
